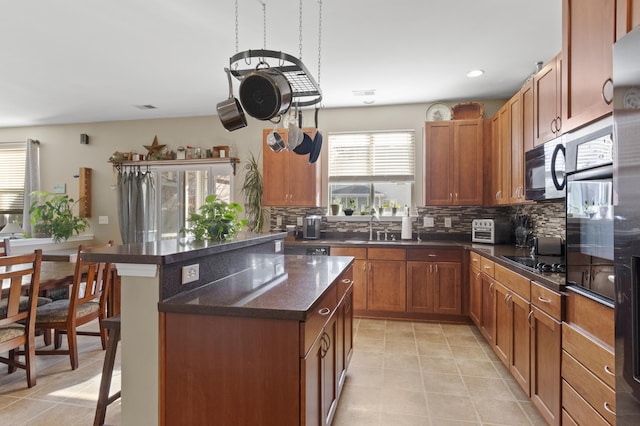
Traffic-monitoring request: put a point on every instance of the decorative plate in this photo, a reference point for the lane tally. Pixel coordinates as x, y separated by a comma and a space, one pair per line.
439, 112
632, 98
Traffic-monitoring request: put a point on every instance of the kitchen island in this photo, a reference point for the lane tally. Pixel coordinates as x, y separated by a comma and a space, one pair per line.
161, 271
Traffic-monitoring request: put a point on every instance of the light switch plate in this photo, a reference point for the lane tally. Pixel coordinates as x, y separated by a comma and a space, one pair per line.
103, 220
279, 221
447, 222
59, 188
428, 222
299, 220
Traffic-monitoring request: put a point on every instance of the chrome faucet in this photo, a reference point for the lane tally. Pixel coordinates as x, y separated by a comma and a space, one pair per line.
374, 215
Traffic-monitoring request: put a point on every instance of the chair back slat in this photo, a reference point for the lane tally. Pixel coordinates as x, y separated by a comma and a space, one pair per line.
4, 247
17, 274
91, 280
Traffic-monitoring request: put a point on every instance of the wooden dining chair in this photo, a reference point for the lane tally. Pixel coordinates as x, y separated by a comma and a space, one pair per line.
87, 301
5, 248
17, 326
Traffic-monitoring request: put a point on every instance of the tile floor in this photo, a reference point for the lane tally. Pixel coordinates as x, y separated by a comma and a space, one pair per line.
401, 373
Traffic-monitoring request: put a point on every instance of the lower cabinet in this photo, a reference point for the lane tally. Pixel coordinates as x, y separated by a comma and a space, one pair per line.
387, 285
488, 318
434, 287
475, 294
227, 370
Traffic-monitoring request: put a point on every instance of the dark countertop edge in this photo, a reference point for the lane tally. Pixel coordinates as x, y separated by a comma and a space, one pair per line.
253, 312
589, 295
386, 244
147, 253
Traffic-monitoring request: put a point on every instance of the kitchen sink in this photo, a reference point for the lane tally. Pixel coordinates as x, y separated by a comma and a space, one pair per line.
355, 241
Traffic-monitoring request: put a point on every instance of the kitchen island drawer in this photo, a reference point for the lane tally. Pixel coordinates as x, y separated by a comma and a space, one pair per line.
592, 354
312, 327
434, 255
600, 396
513, 281
547, 300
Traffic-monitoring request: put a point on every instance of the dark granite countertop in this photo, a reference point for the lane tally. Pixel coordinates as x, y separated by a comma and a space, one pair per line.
551, 280
276, 286
166, 252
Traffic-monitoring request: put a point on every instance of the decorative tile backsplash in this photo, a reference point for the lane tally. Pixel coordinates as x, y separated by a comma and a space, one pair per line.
547, 218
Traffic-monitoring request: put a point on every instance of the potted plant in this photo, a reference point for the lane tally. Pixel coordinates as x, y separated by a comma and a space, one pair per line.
335, 206
352, 206
394, 208
52, 215
217, 220
253, 189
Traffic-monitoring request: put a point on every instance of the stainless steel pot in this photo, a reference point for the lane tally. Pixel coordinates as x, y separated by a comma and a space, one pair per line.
265, 93
230, 111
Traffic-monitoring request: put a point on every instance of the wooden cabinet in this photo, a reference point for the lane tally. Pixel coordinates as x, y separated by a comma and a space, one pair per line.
488, 318
527, 115
289, 179
588, 34
387, 282
475, 289
360, 274
588, 362
627, 16
547, 111
453, 162
435, 287
516, 165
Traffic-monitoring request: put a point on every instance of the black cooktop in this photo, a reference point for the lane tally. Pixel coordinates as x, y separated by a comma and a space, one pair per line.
541, 263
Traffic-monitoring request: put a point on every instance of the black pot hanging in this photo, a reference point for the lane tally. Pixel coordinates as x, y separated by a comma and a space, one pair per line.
265, 93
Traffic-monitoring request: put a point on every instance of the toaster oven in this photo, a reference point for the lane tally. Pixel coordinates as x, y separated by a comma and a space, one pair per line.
491, 231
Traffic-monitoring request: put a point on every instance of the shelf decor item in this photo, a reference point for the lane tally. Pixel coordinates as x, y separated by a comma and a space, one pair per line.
467, 111
217, 220
439, 112
52, 215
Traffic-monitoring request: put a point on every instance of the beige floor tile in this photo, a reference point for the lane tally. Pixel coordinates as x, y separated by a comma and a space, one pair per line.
367, 359
484, 388
478, 368
468, 352
404, 402
532, 413
23, 411
361, 397
402, 335
400, 419
516, 390
457, 329
401, 346
449, 384
401, 361
351, 416
402, 379
370, 344
438, 365
435, 350
373, 333
427, 327
364, 376
367, 324
462, 340
502, 412
64, 415
445, 407
425, 337
449, 422
399, 326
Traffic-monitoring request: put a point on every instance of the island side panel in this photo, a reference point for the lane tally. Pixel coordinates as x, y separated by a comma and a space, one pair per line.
230, 370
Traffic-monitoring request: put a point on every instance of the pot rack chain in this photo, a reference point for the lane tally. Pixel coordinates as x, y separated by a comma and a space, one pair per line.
236, 26
300, 32
319, 37
264, 25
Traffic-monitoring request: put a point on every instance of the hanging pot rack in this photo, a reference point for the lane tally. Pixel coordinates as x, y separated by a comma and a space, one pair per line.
305, 90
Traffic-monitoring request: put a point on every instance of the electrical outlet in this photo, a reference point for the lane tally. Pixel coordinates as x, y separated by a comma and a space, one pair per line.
428, 222
278, 247
299, 221
279, 221
103, 220
190, 273
447, 222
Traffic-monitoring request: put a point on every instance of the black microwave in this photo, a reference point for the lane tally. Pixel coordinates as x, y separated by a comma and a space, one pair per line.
545, 171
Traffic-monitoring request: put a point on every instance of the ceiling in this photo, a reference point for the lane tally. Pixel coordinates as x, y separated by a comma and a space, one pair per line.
72, 61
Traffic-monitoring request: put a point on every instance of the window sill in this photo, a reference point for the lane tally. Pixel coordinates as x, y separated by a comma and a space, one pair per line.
366, 218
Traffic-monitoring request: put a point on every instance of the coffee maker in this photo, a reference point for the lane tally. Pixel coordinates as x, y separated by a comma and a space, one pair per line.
311, 227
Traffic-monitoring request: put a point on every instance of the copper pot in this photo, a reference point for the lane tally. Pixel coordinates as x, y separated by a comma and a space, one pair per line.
265, 93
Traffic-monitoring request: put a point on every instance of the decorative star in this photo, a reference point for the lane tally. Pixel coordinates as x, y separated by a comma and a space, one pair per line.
154, 147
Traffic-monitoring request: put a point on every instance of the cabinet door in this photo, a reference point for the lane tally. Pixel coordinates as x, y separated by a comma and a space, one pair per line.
475, 295
516, 151
588, 34
360, 285
438, 163
467, 159
527, 115
627, 16
345, 338
503, 321
275, 171
447, 288
419, 286
520, 355
304, 180
387, 286
487, 324
546, 95
546, 349
504, 155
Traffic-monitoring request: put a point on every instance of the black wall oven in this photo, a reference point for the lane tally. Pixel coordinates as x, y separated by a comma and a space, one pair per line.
589, 205
544, 171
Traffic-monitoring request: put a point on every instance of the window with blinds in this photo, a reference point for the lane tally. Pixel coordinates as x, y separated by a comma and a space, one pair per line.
372, 170
13, 160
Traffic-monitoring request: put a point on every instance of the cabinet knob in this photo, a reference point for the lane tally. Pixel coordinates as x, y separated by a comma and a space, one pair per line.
324, 311
346, 281
607, 407
544, 300
608, 371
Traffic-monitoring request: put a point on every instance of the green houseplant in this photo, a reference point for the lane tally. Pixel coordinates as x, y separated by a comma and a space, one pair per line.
253, 188
52, 215
217, 220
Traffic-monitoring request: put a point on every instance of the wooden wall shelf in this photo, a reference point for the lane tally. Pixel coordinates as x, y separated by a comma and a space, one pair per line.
173, 163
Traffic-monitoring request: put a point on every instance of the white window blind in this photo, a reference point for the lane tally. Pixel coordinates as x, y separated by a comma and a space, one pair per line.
383, 156
12, 169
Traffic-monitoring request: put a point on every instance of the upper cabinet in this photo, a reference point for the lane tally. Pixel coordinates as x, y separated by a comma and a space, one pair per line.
627, 16
453, 163
588, 34
547, 116
289, 179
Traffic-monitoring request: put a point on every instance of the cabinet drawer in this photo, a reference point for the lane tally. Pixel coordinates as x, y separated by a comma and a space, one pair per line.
594, 318
590, 353
359, 253
345, 282
320, 314
387, 254
487, 266
578, 411
600, 396
547, 300
434, 255
474, 259
514, 282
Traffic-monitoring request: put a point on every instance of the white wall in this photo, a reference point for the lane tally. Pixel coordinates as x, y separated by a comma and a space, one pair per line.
62, 154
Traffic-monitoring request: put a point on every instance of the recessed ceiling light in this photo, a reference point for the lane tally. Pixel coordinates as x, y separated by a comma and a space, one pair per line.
475, 73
